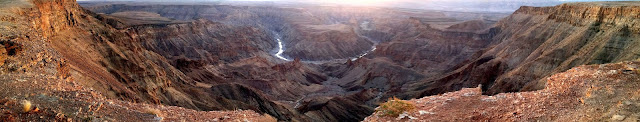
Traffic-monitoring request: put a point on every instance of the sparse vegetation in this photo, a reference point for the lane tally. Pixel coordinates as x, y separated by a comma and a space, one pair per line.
153, 111
26, 106
63, 70
394, 107
12, 48
267, 118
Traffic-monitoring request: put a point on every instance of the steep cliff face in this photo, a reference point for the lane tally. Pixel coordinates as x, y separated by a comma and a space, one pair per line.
102, 55
536, 42
197, 40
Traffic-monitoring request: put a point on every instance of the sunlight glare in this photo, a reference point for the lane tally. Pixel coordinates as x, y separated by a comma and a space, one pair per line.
358, 2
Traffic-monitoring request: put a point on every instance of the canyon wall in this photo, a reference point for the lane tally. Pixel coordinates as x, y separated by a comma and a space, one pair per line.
306, 35
216, 57
320, 90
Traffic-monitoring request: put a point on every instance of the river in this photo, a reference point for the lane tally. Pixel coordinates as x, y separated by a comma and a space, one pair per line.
364, 26
281, 50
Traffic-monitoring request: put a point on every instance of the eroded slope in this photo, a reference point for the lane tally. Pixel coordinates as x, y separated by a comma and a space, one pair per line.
68, 83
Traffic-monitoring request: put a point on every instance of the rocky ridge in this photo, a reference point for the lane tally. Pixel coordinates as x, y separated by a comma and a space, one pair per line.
536, 42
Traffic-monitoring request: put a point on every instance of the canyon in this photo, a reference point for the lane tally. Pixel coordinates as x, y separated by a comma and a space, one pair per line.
109, 61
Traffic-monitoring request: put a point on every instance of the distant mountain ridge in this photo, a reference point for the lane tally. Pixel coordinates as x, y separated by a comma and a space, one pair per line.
445, 5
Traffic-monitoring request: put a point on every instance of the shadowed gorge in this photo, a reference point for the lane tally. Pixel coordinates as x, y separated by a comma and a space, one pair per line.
165, 61
343, 57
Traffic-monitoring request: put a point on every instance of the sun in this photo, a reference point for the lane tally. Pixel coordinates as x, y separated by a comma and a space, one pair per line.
358, 2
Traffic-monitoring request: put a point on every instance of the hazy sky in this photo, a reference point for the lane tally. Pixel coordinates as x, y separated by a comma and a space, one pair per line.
451, 5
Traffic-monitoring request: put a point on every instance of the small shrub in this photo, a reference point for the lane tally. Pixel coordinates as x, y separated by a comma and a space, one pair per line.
26, 106
267, 118
12, 48
63, 70
153, 111
394, 107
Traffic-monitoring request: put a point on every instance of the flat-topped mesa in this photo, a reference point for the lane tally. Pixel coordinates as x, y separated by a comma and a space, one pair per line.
533, 10
585, 13
600, 12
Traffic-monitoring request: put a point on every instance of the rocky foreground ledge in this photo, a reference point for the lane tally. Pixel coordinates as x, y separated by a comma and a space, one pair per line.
51, 98
608, 92
37, 83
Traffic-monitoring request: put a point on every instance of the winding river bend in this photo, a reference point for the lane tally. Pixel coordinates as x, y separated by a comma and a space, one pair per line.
281, 50
363, 26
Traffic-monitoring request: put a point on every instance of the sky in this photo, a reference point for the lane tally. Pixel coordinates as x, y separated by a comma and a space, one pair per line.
449, 5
